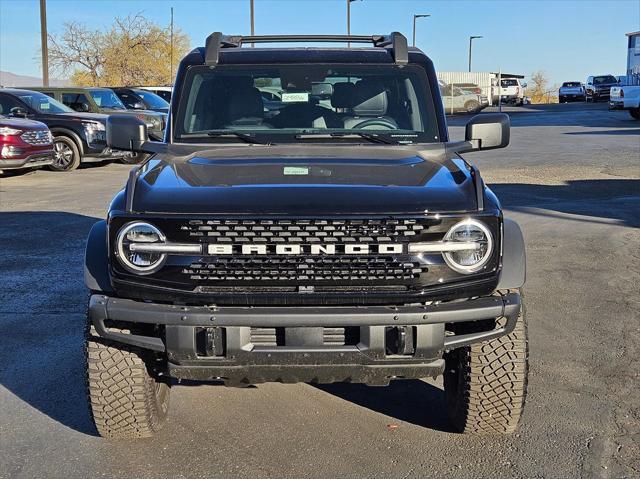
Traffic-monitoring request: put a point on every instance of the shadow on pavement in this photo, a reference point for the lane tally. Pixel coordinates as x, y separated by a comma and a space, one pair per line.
409, 400
616, 199
567, 114
629, 131
42, 313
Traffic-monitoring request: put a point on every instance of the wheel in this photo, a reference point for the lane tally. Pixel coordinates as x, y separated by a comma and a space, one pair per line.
66, 155
485, 384
635, 113
133, 159
472, 106
126, 401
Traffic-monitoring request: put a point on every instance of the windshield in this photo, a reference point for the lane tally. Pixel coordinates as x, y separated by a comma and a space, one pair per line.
604, 79
107, 99
151, 99
288, 103
571, 84
43, 103
509, 82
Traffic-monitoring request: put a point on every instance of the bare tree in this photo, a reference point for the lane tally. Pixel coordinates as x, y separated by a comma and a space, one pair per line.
77, 47
134, 51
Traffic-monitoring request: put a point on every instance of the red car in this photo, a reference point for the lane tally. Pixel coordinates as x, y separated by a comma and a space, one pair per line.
24, 144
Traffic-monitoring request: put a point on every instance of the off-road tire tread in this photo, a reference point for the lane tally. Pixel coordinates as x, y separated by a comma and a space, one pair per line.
492, 392
121, 393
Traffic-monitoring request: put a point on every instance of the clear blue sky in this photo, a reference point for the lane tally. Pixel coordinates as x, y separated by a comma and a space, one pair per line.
566, 39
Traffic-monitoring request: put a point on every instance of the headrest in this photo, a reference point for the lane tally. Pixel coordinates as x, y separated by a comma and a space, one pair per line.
245, 103
370, 98
343, 94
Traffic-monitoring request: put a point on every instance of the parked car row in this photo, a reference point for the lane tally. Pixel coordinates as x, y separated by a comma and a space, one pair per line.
63, 127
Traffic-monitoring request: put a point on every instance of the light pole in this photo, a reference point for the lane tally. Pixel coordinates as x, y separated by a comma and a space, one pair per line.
415, 17
471, 38
171, 51
349, 19
43, 40
253, 24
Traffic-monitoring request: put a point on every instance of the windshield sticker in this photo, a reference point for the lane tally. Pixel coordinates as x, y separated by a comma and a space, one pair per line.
302, 97
296, 170
44, 106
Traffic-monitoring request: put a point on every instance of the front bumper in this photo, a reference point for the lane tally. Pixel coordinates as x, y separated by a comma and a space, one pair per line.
230, 353
31, 161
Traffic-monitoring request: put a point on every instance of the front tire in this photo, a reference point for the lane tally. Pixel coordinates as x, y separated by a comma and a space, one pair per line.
635, 113
126, 401
472, 106
133, 159
66, 154
485, 384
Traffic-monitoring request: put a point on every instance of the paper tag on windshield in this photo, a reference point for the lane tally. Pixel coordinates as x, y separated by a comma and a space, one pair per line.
295, 97
296, 170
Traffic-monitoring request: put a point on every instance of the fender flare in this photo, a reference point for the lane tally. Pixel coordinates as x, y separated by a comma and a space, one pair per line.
96, 260
514, 261
61, 131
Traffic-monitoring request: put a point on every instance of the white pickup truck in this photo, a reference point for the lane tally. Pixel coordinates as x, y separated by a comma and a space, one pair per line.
626, 98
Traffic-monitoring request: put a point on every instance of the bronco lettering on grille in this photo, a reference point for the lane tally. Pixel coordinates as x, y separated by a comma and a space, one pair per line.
218, 249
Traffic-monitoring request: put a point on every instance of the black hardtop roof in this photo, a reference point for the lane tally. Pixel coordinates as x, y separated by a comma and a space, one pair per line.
227, 49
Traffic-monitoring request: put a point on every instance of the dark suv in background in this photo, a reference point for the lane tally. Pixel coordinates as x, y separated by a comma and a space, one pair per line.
105, 100
598, 88
77, 137
137, 99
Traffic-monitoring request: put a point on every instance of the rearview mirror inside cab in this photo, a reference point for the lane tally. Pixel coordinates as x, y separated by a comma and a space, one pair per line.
488, 131
126, 132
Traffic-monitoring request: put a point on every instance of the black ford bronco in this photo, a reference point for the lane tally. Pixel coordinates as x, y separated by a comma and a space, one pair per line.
307, 219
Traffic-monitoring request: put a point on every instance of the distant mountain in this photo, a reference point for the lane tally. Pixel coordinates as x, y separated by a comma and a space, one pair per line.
9, 80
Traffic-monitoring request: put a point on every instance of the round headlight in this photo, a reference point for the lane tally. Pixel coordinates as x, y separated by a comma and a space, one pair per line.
136, 261
468, 261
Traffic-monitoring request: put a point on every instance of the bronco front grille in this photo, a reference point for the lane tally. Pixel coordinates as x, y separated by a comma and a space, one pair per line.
305, 231
304, 269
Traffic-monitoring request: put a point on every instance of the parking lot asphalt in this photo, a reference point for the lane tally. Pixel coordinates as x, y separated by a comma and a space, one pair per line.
571, 177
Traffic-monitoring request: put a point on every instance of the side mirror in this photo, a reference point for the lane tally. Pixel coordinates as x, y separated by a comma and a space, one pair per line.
83, 107
137, 106
18, 111
488, 131
125, 132
524, 85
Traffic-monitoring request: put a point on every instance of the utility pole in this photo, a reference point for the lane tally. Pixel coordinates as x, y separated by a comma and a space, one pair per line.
415, 17
349, 20
470, 43
171, 51
253, 24
43, 40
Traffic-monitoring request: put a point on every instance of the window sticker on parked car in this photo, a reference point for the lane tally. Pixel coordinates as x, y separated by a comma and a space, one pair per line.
44, 106
295, 97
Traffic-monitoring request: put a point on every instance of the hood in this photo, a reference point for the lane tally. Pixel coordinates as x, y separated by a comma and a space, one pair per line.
22, 123
306, 181
85, 116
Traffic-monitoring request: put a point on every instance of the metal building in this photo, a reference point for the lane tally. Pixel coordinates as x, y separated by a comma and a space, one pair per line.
633, 58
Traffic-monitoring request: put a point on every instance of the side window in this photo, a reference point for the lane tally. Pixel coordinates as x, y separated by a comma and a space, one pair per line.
128, 99
71, 100
7, 102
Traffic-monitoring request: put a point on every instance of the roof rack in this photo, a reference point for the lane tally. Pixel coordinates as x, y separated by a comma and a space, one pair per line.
217, 40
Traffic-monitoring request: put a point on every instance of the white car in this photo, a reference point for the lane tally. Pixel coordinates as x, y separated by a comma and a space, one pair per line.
457, 100
626, 98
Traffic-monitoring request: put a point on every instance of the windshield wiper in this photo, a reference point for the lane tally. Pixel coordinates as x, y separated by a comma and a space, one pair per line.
372, 137
234, 134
